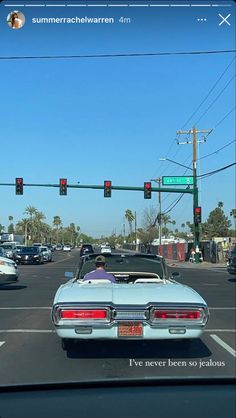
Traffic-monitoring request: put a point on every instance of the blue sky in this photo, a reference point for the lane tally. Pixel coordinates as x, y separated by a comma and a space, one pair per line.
94, 119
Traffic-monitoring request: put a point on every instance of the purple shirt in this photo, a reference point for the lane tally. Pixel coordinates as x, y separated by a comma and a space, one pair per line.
99, 274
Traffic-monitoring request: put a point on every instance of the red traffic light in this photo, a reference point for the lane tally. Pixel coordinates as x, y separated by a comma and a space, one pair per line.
63, 187
63, 182
107, 188
198, 214
147, 190
19, 185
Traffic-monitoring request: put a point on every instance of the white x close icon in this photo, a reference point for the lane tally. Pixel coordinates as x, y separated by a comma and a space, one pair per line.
224, 19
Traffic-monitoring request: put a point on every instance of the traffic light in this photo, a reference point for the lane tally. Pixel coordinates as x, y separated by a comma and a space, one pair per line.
197, 215
19, 185
63, 187
107, 188
147, 190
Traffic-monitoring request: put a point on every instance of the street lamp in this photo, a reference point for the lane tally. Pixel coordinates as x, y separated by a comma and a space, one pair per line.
175, 162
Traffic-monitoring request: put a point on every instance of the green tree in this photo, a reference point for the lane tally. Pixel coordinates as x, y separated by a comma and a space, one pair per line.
11, 229
2, 228
57, 222
217, 224
130, 218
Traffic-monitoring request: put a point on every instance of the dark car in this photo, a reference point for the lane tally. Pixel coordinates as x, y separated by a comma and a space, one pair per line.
231, 267
30, 255
86, 249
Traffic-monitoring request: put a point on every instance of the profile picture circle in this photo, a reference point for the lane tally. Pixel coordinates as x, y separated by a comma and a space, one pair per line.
16, 19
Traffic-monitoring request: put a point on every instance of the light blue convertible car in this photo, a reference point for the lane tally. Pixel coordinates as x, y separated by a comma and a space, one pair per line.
143, 303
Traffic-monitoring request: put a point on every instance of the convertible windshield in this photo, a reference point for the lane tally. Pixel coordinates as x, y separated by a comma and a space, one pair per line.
122, 263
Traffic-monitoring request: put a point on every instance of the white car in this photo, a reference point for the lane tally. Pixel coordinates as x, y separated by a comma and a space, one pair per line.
145, 302
8, 271
106, 250
67, 248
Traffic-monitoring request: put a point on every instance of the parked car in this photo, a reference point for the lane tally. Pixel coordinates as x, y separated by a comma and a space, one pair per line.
145, 302
30, 255
47, 254
231, 264
8, 271
86, 249
10, 249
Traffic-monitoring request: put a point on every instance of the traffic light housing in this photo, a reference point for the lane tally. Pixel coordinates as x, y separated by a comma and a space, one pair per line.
19, 185
63, 187
107, 188
147, 190
197, 215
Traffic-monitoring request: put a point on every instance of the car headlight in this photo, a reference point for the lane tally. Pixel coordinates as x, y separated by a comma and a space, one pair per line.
36, 256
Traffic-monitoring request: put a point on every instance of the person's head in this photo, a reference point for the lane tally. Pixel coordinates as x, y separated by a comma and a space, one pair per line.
100, 261
13, 17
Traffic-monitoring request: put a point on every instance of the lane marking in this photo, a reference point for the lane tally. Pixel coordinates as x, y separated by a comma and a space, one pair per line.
224, 345
223, 308
39, 331
1, 343
220, 330
26, 307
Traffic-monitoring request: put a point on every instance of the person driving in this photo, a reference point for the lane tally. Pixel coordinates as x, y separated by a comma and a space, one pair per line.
100, 272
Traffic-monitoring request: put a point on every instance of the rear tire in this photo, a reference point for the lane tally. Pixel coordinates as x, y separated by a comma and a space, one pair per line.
65, 343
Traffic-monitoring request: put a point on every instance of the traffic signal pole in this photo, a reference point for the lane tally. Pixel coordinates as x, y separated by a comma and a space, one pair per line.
196, 223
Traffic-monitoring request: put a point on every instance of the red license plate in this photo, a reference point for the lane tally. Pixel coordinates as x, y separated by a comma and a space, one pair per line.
130, 329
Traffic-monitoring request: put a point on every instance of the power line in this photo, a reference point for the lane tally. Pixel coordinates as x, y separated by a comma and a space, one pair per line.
218, 150
216, 171
217, 97
206, 97
134, 54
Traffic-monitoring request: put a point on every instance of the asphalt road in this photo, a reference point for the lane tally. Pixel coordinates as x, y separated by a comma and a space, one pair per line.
30, 351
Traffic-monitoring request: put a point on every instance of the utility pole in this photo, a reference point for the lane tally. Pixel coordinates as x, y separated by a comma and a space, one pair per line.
135, 229
194, 142
160, 217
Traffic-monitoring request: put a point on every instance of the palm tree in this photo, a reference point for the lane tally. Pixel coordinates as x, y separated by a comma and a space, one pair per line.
38, 224
31, 210
2, 228
183, 226
220, 205
57, 222
10, 218
130, 218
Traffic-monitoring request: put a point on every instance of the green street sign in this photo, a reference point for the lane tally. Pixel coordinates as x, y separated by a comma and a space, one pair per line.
177, 181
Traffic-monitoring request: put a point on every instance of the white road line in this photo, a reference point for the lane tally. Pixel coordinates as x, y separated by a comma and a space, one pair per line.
224, 345
220, 330
40, 331
223, 308
1, 343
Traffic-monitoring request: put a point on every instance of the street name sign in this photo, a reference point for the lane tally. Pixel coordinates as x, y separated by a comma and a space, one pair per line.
177, 180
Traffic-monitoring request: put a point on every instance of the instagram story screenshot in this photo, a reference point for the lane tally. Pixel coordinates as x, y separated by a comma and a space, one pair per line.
117, 190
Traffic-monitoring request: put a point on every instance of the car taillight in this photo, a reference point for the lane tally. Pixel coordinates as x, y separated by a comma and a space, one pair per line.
162, 314
83, 314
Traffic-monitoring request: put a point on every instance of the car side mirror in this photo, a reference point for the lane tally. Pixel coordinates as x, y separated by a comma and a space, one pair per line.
175, 275
69, 275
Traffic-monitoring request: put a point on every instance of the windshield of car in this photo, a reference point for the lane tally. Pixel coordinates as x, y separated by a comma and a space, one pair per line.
7, 246
121, 263
28, 250
118, 139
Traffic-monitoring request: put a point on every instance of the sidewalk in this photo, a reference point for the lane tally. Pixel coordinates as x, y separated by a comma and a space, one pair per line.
187, 264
